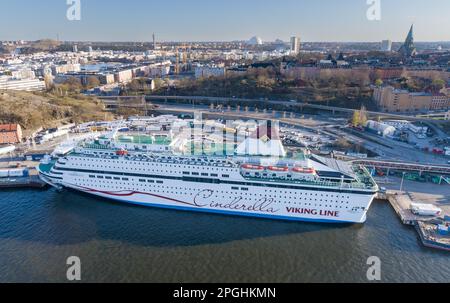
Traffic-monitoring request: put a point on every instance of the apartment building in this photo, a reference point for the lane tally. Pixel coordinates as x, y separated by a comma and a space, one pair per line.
389, 99
9, 83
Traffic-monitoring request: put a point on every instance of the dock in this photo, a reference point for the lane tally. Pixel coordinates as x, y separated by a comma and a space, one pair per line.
431, 238
23, 182
32, 180
426, 226
401, 203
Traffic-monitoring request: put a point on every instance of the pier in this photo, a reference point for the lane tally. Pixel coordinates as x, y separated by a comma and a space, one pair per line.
426, 226
430, 237
31, 180
23, 182
401, 203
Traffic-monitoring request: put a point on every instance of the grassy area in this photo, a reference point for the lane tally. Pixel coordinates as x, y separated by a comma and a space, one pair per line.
35, 110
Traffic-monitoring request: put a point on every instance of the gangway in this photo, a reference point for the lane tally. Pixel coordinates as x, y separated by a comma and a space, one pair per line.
445, 179
423, 168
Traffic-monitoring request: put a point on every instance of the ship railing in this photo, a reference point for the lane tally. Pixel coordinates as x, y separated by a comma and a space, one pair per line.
325, 183
149, 159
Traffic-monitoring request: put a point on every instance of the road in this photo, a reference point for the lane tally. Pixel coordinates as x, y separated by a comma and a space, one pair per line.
388, 149
300, 105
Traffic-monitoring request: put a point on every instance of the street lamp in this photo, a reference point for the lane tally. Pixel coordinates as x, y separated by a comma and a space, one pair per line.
403, 178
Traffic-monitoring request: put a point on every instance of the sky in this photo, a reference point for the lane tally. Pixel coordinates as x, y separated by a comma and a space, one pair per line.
224, 20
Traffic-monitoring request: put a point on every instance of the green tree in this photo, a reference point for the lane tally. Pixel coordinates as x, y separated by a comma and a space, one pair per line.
356, 118
437, 84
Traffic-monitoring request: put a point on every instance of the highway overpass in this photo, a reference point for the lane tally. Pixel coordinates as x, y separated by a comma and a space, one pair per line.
290, 105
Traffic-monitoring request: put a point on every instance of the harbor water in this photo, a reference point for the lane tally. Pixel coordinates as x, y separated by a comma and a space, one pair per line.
40, 229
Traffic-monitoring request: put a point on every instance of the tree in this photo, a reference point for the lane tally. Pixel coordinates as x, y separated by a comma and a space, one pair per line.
73, 84
92, 81
356, 118
159, 83
363, 116
437, 85
48, 82
135, 85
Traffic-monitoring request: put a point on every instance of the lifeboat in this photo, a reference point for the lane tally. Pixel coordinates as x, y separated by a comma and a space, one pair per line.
122, 152
252, 167
302, 170
278, 168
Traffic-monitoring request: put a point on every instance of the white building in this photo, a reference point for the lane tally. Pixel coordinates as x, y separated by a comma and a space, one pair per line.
9, 83
23, 73
66, 68
123, 76
398, 124
255, 41
159, 69
418, 129
381, 129
386, 45
295, 45
205, 71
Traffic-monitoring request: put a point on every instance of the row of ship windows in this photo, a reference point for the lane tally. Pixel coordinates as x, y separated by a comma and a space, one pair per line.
222, 192
140, 180
155, 170
123, 179
299, 193
194, 179
121, 163
199, 160
226, 192
186, 173
244, 199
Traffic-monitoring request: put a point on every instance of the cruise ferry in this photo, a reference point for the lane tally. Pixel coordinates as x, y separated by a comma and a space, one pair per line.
258, 179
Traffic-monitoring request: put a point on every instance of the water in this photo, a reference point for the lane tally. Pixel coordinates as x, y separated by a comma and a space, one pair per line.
39, 230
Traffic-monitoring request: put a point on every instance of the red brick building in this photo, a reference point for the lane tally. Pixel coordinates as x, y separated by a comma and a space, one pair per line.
10, 133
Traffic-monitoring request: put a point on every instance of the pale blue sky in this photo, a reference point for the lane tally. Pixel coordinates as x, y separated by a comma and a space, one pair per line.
224, 20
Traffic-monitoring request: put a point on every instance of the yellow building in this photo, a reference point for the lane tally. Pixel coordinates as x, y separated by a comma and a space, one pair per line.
389, 99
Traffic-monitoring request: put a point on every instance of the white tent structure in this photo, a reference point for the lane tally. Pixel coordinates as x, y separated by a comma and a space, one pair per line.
265, 141
381, 129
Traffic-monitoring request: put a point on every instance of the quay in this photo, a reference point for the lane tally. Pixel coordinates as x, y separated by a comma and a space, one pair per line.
28, 176
23, 182
427, 227
430, 236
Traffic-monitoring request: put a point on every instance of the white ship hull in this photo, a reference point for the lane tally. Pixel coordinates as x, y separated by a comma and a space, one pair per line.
256, 201
257, 180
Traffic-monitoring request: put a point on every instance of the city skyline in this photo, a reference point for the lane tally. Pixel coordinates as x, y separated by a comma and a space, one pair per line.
201, 20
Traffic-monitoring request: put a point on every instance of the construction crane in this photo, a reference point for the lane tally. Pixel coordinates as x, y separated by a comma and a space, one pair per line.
185, 57
177, 62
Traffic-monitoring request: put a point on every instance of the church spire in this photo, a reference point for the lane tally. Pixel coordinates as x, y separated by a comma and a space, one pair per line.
408, 50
